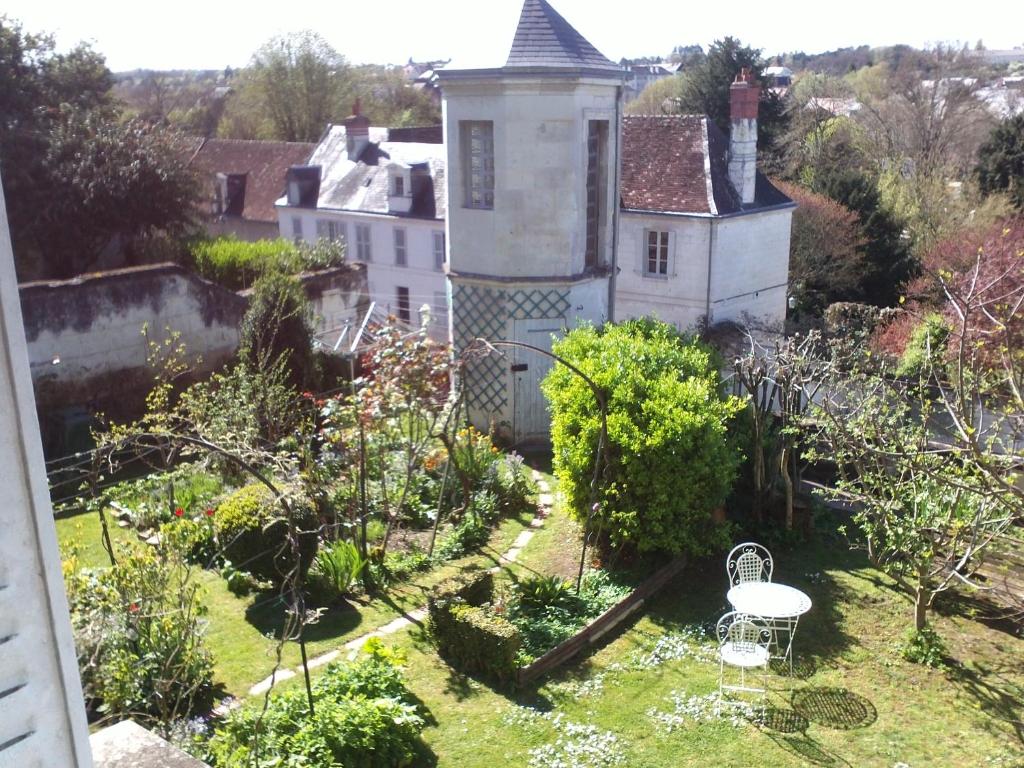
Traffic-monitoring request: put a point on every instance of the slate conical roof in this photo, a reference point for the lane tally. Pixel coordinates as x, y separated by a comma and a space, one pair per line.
545, 40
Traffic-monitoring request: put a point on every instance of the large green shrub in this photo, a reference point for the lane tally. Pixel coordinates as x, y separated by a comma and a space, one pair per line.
670, 463
279, 326
140, 636
364, 718
253, 532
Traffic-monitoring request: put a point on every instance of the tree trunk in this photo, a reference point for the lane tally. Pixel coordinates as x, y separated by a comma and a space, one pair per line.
787, 481
920, 607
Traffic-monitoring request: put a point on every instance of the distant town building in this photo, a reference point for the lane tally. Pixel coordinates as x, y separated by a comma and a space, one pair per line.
642, 75
385, 200
778, 77
241, 181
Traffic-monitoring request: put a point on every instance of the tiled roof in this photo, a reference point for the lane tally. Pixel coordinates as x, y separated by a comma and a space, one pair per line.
679, 164
264, 163
545, 39
363, 186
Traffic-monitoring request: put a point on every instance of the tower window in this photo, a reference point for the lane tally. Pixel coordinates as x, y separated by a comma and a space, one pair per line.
478, 162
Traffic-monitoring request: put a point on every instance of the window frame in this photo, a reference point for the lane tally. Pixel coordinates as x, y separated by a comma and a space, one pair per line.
478, 174
439, 254
658, 253
297, 230
401, 249
364, 245
403, 305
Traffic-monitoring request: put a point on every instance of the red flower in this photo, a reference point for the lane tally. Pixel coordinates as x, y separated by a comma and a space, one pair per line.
209, 513
133, 608
179, 512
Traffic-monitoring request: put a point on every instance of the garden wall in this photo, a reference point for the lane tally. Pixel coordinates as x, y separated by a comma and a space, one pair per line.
85, 337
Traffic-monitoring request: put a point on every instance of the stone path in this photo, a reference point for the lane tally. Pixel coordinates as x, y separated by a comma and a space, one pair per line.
545, 500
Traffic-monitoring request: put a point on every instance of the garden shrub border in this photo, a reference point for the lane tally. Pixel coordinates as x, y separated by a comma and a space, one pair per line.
476, 640
470, 637
603, 624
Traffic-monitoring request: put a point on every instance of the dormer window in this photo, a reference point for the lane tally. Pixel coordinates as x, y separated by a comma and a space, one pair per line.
399, 189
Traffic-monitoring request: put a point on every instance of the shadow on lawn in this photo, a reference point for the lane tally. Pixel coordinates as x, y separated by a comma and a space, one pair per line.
996, 695
837, 708
267, 614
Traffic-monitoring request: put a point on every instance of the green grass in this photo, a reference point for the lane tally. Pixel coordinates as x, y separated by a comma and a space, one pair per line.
854, 701
242, 631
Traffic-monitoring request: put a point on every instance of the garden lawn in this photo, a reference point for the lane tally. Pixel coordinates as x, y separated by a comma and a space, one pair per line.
242, 629
855, 702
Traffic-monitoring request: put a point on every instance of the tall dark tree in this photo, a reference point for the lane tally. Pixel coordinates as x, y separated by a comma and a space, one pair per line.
1001, 161
110, 183
888, 261
705, 89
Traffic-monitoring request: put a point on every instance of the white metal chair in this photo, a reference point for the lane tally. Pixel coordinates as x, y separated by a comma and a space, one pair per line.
748, 562
743, 642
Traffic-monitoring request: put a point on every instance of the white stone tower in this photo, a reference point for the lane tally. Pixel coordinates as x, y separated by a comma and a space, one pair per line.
533, 165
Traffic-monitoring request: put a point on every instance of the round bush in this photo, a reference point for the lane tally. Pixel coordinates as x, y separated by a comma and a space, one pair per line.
670, 461
253, 532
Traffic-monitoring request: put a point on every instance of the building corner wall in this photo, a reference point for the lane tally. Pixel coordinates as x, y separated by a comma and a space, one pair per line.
42, 714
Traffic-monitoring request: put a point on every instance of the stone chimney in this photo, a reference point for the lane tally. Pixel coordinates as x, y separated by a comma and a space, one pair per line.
357, 132
743, 97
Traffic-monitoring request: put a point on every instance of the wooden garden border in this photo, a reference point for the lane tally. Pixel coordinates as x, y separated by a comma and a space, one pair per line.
601, 625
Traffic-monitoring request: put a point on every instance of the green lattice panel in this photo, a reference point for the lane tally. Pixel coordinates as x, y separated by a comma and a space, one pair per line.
481, 312
539, 304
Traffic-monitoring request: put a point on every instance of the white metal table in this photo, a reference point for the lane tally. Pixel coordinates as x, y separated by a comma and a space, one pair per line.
779, 605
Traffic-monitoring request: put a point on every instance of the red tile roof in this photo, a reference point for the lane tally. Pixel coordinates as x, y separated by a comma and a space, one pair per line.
663, 163
678, 164
264, 162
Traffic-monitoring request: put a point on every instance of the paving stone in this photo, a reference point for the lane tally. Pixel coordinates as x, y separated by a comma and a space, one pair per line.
264, 685
546, 500
326, 658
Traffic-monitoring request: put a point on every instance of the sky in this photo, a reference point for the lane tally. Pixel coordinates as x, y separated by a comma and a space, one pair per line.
188, 34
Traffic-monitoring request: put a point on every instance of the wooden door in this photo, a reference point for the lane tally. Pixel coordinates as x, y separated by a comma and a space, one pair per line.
531, 420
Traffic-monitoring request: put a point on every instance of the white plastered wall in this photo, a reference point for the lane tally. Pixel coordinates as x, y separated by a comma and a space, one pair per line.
42, 716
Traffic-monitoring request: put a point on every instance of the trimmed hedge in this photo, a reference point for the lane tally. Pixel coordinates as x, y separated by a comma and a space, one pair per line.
253, 532
468, 634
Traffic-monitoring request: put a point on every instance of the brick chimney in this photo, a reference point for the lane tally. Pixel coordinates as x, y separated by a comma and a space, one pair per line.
357, 132
744, 94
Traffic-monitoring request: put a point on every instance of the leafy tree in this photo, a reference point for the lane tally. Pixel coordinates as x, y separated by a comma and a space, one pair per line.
668, 463
658, 98
1001, 161
888, 262
300, 80
704, 89
933, 462
75, 179
112, 181
278, 326
826, 262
